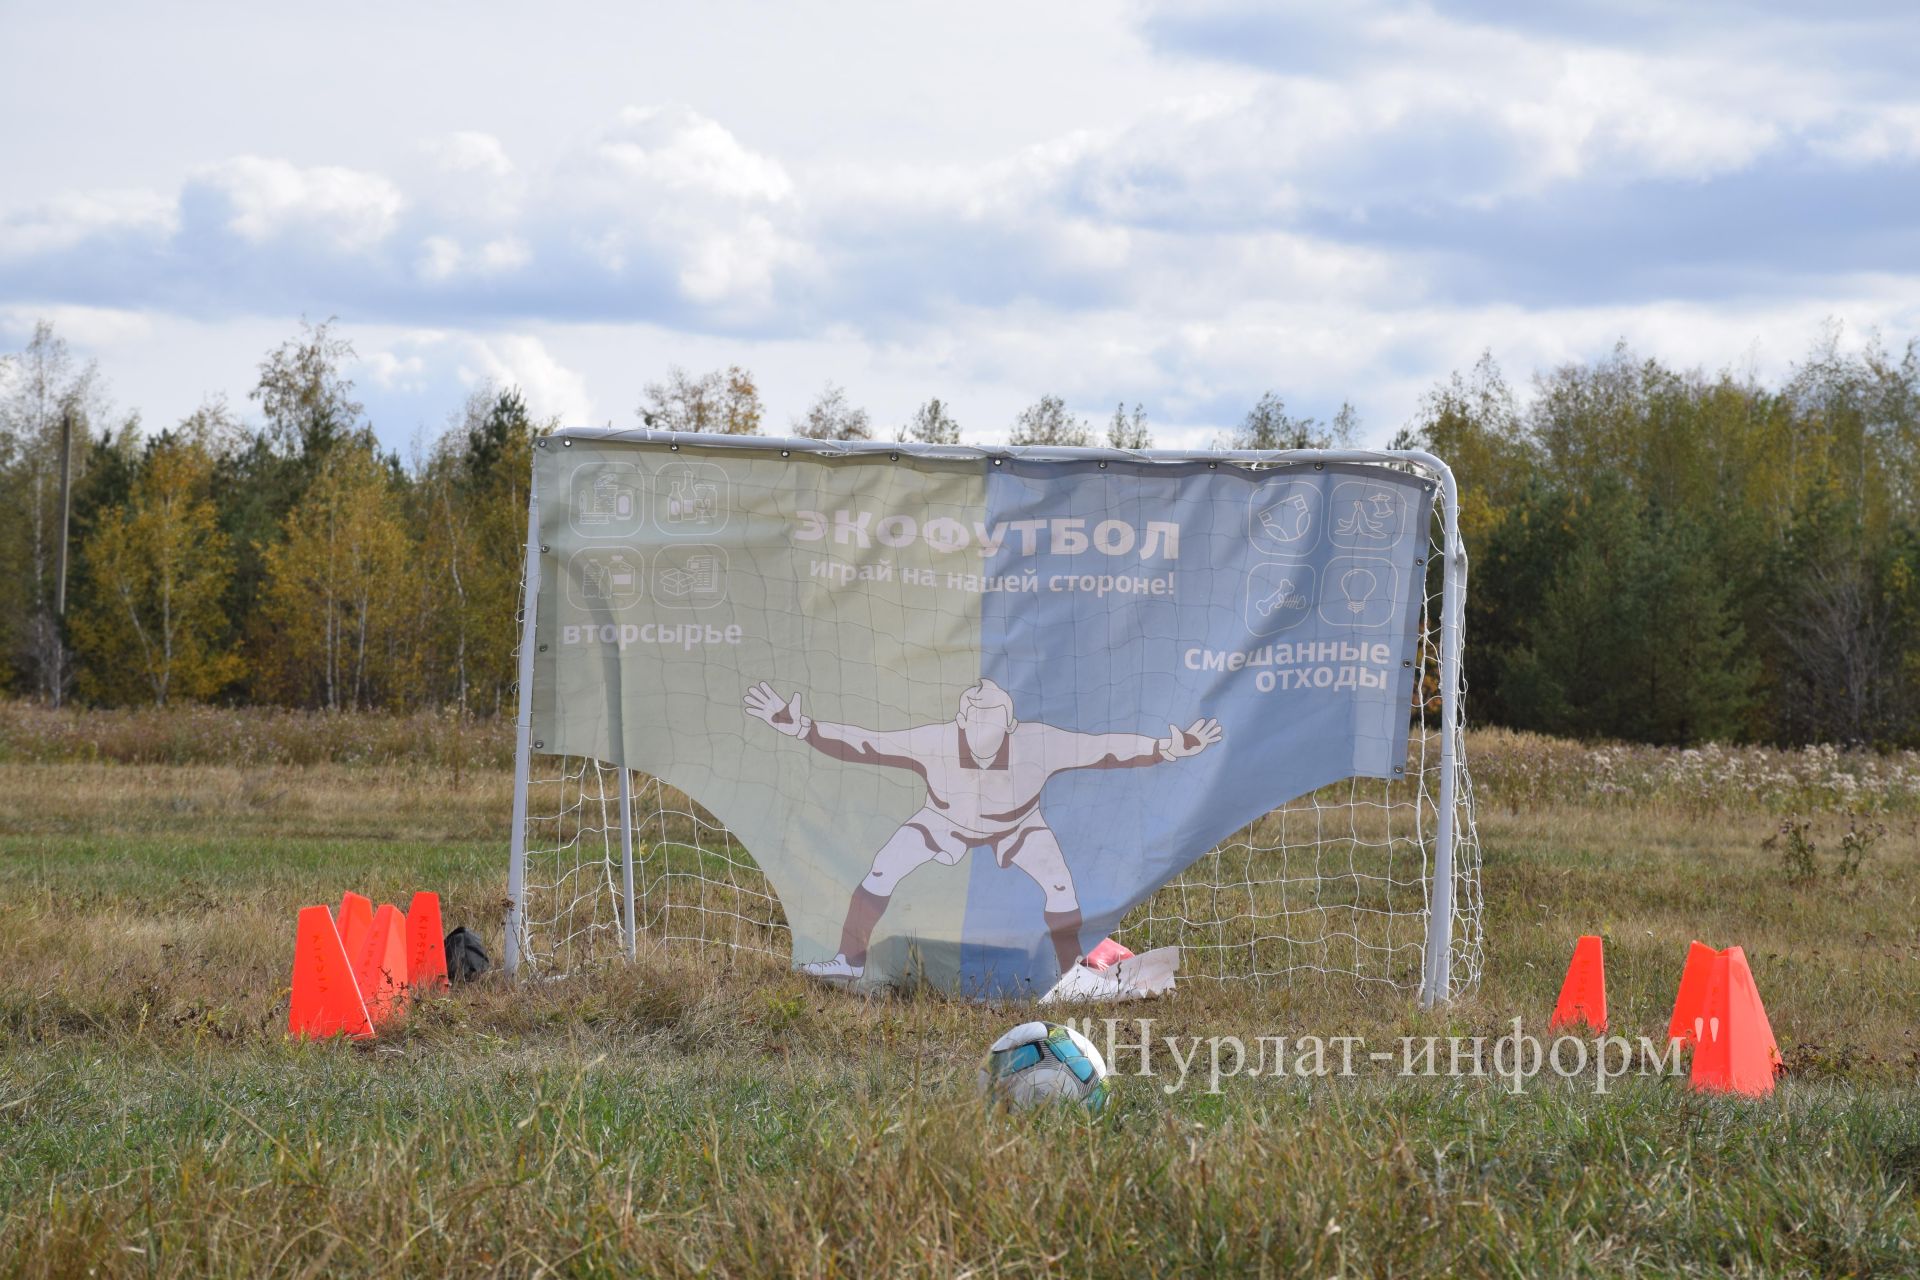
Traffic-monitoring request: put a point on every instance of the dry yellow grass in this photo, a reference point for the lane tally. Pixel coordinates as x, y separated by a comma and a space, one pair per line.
694, 1114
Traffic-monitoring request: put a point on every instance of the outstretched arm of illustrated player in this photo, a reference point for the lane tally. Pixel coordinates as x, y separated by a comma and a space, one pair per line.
1191, 741
841, 741
1135, 750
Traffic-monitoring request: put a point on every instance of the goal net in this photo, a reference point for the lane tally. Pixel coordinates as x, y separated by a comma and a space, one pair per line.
1368, 873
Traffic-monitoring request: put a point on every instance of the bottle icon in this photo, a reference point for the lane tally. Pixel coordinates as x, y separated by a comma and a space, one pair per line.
593, 581
692, 502
619, 577
612, 579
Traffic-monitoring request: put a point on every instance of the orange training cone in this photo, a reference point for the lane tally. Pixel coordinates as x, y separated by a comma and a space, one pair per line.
356, 915
1583, 996
1734, 1049
426, 948
1695, 979
382, 971
1741, 976
326, 999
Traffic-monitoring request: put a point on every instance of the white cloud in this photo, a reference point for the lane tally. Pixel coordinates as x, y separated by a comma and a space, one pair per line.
469, 151
265, 199
508, 253
1639, 116
522, 360
68, 220
734, 265
1348, 203
1409, 103
470, 181
439, 258
394, 372
1891, 135
1468, 135
676, 149
442, 258
412, 379
84, 326
668, 187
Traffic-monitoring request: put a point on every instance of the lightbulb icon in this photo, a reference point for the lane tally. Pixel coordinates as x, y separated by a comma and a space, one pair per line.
1358, 585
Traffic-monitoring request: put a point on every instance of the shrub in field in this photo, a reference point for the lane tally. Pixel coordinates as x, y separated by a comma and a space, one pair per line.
1516, 771
1855, 842
255, 736
1799, 855
1522, 770
1795, 840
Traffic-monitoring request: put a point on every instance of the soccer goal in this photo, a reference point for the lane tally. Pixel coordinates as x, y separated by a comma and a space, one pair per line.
953, 713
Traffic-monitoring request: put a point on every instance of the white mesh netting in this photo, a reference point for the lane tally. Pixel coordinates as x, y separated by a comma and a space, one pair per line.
1338, 882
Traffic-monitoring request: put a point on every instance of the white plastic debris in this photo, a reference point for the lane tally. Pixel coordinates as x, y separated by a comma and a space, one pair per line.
1135, 978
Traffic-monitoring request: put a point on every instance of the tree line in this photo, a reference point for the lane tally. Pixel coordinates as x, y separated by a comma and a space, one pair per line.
1658, 554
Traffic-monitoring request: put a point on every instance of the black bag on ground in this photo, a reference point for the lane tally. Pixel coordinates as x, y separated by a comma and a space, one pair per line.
466, 958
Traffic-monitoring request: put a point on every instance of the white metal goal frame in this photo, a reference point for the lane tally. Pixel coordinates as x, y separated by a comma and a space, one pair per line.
610, 858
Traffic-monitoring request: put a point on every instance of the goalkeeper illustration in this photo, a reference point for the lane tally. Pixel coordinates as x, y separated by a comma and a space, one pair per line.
984, 772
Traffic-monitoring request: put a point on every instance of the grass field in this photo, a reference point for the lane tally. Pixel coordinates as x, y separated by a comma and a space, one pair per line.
691, 1116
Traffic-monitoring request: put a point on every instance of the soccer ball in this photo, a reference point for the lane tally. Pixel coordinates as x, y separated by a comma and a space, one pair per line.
1042, 1062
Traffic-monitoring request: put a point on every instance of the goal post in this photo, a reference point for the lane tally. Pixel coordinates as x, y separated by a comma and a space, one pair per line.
867, 587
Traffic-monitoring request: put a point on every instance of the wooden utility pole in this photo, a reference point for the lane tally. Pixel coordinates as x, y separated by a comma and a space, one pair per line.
66, 506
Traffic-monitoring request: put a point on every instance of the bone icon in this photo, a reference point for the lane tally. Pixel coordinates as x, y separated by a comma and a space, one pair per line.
1281, 597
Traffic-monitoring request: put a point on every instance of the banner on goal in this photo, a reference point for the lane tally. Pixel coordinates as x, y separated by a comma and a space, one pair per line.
967, 712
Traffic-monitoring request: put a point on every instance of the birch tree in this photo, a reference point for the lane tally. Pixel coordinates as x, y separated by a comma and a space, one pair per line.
151, 627
1047, 421
340, 584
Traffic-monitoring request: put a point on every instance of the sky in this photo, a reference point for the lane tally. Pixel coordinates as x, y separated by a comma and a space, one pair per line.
1178, 205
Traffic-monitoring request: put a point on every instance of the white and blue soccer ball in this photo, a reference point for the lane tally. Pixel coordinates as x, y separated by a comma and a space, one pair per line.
1043, 1062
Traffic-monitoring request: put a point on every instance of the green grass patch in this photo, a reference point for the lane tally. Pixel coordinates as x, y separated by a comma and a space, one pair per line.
705, 1114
